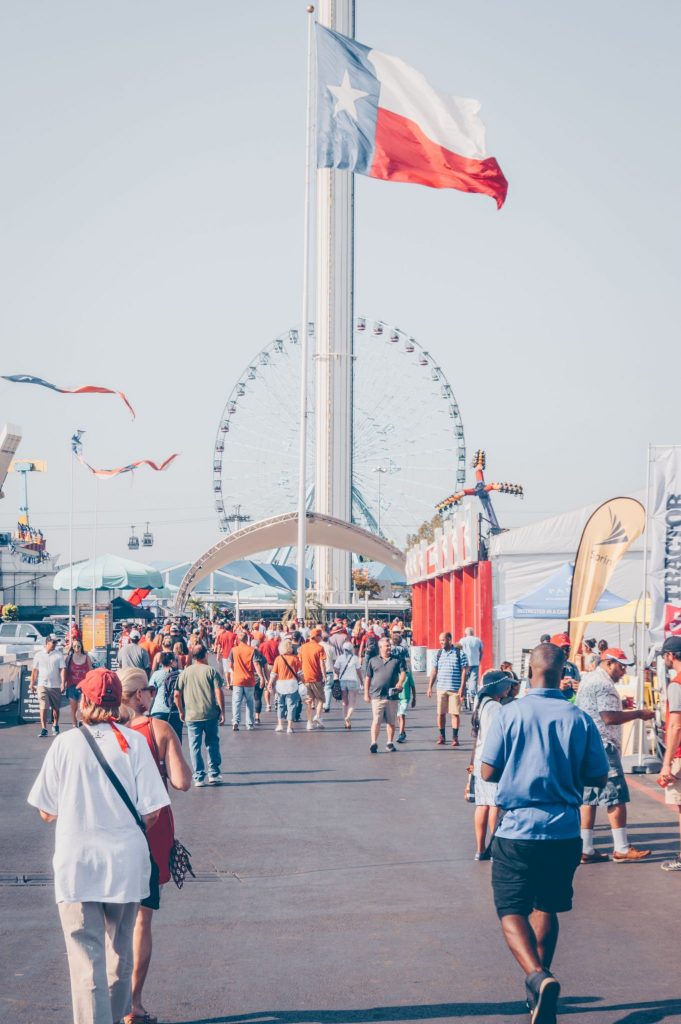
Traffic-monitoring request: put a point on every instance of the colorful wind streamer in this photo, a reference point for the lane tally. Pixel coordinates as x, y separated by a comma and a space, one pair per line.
87, 389
77, 449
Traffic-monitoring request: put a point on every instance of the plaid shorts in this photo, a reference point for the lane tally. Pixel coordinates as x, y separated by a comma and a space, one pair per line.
616, 790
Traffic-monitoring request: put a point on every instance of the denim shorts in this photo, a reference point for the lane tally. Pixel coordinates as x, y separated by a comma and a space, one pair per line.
616, 790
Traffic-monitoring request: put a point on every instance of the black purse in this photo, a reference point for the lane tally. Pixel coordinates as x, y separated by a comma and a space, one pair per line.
179, 863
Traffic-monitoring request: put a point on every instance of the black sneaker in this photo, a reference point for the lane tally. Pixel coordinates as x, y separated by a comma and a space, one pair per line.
373, 749
55, 730
235, 728
542, 997
42, 734
402, 737
392, 748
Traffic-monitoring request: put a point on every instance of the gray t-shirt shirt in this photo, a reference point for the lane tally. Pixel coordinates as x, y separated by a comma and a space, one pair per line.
383, 675
472, 648
133, 656
674, 696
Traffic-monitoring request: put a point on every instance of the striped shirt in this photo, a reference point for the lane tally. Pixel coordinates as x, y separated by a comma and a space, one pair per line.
449, 665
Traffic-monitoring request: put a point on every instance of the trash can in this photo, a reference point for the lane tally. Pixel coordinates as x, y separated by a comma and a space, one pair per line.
418, 659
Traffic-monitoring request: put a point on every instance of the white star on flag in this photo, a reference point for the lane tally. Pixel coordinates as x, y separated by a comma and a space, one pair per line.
346, 96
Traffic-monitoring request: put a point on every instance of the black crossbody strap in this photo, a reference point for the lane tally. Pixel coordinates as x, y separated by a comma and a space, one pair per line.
295, 674
346, 666
112, 777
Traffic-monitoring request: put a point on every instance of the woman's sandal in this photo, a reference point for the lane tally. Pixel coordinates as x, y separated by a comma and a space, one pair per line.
140, 1018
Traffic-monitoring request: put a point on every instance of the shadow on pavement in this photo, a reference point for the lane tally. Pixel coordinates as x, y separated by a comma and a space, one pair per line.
285, 771
647, 1012
385, 1014
298, 782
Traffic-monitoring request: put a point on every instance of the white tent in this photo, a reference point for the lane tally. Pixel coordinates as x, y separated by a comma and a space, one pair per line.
526, 557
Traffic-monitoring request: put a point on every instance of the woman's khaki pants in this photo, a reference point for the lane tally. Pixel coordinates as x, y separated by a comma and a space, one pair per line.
99, 947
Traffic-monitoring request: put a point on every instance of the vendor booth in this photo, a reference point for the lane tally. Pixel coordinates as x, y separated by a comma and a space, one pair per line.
525, 559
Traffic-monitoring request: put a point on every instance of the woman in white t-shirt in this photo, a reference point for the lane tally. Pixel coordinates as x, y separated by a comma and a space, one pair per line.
496, 686
101, 857
347, 670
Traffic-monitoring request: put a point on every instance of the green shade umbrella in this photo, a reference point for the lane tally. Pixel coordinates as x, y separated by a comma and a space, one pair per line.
108, 572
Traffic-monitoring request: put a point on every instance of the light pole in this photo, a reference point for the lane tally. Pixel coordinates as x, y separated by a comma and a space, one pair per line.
390, 468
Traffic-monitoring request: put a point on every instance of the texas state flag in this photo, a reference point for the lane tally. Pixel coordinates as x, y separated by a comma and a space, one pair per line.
378, 116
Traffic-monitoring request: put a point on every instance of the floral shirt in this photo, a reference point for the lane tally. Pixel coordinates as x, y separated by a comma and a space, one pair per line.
597, 693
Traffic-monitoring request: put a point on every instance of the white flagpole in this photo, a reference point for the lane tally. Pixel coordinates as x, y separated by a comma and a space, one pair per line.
94, 569
304, 338
640, 687
70, 619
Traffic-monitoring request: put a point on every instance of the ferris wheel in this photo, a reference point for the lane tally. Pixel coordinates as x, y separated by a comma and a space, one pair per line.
408, 435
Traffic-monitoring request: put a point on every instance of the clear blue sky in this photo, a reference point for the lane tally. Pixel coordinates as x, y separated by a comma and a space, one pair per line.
151, 187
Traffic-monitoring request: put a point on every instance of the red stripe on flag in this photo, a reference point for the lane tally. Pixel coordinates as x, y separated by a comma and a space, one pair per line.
404, 153
92, 389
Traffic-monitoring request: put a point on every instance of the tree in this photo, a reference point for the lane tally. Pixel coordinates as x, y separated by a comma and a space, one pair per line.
314, 610
426, 531
196, 606
365, 584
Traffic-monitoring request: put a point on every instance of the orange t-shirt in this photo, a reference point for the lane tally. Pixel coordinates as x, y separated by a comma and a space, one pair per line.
224, 642
312, 657
282, 671
243, 672
151, 647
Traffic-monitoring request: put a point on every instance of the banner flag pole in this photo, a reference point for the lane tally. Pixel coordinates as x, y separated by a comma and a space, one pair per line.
304, 333
69, 634
640, 688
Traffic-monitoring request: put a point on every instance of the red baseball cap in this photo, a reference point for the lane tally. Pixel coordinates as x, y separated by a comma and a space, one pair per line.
616, 654
561, 640
102, 687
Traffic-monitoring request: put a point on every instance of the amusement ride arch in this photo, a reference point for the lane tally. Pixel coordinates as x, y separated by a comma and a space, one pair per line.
281, 532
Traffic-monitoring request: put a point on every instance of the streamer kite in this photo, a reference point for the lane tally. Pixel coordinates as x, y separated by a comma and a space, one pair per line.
77, 449
87, 389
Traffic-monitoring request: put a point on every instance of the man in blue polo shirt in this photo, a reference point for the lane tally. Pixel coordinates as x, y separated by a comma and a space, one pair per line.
542, 751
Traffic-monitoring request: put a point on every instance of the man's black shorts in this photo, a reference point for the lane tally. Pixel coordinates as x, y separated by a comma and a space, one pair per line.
534, 874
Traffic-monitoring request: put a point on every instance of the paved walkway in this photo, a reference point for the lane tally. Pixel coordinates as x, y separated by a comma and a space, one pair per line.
335, 886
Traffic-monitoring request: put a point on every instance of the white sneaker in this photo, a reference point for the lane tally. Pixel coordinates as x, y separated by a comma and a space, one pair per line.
249, 728
280, 728
199, 784
289, 731
309, 726
318, 722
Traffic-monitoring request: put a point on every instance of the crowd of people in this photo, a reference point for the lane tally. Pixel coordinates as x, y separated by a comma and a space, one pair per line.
539, 769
